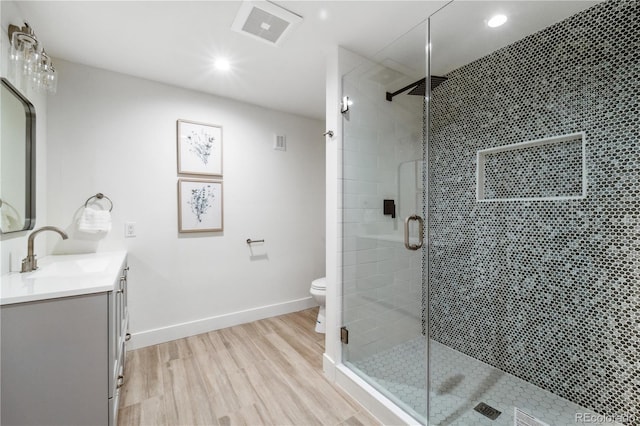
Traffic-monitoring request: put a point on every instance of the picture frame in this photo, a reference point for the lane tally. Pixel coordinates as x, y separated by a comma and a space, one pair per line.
200, 205
199, 148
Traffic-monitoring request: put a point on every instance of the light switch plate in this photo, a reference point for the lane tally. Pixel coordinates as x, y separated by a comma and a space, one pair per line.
129, 229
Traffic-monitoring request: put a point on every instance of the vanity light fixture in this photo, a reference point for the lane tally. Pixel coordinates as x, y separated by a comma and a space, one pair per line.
29, 61
496, 21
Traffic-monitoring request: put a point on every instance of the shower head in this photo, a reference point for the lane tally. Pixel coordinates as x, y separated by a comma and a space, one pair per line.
419, 87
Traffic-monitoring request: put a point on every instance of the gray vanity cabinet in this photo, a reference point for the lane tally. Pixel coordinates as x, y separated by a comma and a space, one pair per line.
63, 358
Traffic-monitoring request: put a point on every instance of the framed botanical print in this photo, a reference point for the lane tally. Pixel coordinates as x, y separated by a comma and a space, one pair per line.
200, 206
199, 148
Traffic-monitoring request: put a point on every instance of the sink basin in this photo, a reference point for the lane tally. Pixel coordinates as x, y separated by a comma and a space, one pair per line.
69, 268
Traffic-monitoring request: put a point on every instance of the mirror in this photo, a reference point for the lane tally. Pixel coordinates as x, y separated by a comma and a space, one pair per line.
17, 161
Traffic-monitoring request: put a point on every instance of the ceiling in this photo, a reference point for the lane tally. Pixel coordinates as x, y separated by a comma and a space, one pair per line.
176, 42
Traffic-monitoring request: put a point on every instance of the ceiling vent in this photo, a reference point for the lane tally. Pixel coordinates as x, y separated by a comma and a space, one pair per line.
265, 21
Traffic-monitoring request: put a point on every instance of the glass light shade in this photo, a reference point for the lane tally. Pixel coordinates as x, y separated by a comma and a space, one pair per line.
29, 62
51, 81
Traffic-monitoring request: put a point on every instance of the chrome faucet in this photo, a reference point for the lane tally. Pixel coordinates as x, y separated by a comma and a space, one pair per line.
30, 263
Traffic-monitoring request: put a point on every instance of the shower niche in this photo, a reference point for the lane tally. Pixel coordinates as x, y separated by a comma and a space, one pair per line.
553, 168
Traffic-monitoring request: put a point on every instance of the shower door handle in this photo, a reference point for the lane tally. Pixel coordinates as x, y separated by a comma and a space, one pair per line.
407, 244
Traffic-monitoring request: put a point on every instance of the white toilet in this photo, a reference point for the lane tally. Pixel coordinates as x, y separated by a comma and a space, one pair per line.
319, 291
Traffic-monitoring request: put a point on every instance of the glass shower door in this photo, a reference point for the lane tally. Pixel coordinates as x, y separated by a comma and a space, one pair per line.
383, 206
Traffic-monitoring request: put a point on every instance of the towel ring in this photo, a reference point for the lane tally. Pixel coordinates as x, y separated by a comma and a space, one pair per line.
100, 196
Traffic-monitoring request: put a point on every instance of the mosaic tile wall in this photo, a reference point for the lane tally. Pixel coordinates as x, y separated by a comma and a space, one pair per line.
548, 291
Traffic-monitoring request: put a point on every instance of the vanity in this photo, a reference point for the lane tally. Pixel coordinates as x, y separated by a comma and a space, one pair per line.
64, 330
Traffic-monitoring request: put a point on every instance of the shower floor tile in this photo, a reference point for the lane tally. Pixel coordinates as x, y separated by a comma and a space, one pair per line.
459, 383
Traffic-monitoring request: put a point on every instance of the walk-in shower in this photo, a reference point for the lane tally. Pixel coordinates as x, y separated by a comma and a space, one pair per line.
524, 164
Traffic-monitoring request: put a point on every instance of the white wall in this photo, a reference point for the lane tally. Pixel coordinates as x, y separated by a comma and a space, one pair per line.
116, 134
15, 244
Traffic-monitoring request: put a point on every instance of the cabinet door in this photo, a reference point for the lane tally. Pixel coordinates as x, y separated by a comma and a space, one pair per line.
54, 354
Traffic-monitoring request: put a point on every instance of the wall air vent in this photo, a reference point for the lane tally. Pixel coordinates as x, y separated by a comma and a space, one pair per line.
280, 143
265, 21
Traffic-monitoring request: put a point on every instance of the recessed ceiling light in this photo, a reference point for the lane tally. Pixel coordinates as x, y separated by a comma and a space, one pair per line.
496, 21
222, 64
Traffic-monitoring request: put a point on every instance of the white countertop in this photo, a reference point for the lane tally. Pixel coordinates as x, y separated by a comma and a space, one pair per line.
63, 276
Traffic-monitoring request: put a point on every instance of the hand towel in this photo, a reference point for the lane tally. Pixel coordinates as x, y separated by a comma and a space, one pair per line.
94, 221
9, 221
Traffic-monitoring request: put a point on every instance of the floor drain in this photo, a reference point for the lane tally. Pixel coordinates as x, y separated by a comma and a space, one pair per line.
487, 411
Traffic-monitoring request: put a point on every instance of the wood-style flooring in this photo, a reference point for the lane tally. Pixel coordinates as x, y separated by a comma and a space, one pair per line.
267, 372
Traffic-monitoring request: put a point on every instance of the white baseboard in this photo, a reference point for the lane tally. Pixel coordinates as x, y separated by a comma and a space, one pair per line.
191, 328
329, 367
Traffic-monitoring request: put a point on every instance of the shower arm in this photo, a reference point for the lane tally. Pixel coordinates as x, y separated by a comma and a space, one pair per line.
404, 89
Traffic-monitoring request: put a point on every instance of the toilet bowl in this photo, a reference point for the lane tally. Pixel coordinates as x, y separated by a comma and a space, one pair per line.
318, 292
